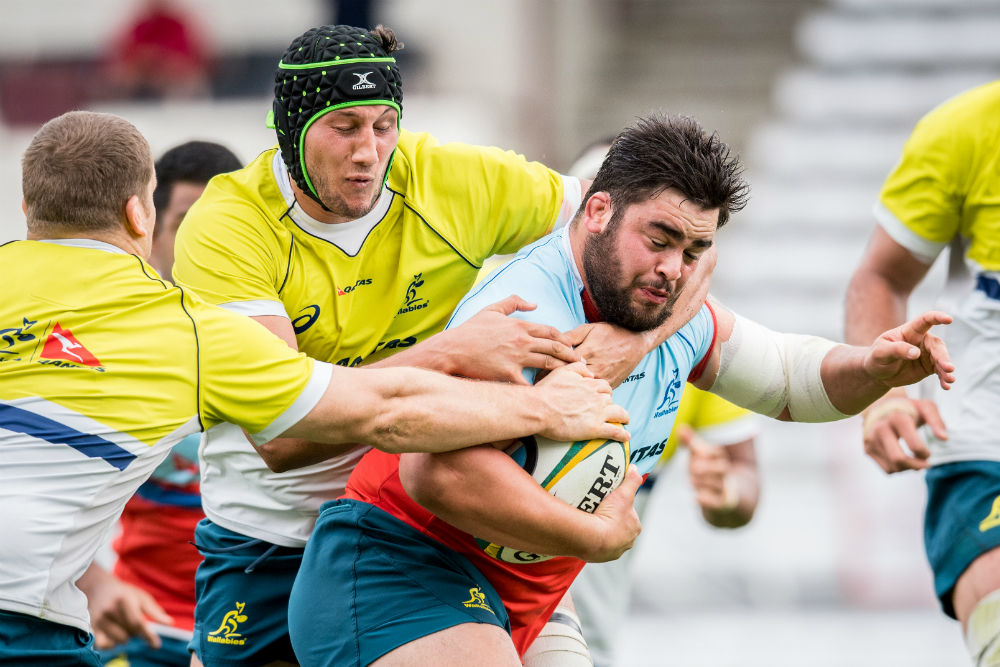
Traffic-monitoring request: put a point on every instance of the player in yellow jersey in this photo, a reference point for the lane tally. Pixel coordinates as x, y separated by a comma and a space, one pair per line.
946, 190
353, 241
104, 367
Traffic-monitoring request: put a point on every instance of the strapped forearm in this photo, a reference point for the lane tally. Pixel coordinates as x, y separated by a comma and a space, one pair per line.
766, 372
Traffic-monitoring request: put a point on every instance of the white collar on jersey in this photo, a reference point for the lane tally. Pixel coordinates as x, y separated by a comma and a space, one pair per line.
90, 244
568, 249
348, 236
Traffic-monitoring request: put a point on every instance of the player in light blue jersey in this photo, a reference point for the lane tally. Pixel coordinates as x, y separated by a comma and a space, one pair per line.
546, 274
404, 530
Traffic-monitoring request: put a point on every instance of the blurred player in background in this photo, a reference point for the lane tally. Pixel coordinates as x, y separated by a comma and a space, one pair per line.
946, 188
722, 468
353, 242
154, 573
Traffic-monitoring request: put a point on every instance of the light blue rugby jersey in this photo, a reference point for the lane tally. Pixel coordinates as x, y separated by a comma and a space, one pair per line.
545, 273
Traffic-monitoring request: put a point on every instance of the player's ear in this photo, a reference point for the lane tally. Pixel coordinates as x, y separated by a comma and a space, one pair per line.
597, 213
138, 222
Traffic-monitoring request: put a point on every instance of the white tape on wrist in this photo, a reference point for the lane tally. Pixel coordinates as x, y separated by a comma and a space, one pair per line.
766, 372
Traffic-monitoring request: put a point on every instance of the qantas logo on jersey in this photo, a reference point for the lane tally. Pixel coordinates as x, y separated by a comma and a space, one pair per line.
62, 346
646, 452
350, 288
413, 301
671, 398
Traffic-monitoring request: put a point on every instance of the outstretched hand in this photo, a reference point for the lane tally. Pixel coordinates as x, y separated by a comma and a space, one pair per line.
909, 353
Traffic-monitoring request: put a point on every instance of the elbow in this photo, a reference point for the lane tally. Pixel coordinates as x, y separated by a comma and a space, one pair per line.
274, 457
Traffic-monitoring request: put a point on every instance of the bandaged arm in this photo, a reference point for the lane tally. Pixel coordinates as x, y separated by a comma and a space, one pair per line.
789, 376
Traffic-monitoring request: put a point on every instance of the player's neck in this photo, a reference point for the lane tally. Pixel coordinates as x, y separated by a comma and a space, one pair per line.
118, 238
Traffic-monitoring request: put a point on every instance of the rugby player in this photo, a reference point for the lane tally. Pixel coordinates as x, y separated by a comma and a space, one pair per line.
722, 468
353, 241
154, 572
945, 189
104, 367
395, 566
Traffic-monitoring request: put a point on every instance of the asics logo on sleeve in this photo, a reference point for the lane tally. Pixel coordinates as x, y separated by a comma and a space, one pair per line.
306, 318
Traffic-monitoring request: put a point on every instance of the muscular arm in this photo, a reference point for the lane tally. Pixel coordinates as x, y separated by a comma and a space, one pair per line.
851, 377
880, 288
482, 491
876, 300
489, 346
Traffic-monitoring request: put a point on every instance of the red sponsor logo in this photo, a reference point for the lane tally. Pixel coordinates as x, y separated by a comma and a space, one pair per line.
63, 345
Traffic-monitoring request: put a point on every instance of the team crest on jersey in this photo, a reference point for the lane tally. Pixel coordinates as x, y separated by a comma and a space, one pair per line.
11, 336
672, 397
413, 300
477, 600
64, 350
228, 629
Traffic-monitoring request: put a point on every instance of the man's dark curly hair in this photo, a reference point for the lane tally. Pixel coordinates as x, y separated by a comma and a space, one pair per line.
662, 152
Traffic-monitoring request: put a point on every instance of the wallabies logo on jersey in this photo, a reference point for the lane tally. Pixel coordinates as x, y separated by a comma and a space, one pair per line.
227, 632
413, 301
672, 397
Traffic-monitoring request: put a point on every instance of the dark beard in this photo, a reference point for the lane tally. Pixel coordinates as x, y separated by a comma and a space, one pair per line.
610, 293
335, 203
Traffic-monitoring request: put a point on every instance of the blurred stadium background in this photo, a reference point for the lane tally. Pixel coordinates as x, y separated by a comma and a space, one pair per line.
818, 96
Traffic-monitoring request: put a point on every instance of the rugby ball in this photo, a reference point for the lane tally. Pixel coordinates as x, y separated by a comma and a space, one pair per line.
580, 473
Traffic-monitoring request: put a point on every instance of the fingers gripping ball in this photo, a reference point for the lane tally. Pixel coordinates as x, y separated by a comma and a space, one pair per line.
579, 473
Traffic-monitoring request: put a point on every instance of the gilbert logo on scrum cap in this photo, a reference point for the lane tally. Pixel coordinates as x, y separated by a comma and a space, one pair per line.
363, 83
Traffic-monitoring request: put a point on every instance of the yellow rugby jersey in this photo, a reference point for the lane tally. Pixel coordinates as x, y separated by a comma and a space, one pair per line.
103, 368
354, 292
947, 181
445, 209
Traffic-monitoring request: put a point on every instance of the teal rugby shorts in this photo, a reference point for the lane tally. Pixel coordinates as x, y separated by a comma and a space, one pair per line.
29, 641
370, 583
242, 588
137, 653
962, 521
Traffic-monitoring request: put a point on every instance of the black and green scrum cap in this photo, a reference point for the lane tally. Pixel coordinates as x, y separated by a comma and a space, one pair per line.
328, 68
